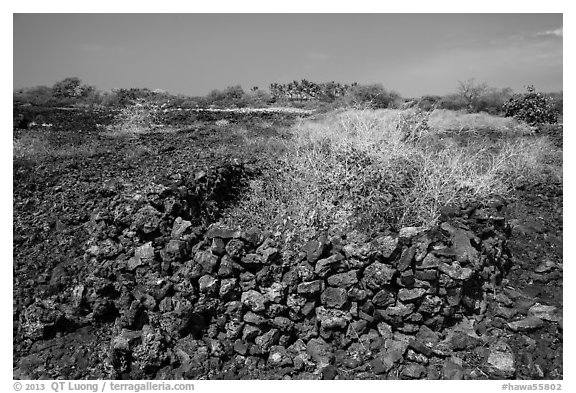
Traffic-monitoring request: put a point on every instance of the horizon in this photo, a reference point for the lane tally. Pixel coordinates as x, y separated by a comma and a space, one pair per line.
193, 54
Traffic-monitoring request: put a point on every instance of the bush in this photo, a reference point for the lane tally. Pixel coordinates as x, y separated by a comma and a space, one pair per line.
427, 103
493, 101
453, 102
232, 96
355, 169
532, 107
373, 96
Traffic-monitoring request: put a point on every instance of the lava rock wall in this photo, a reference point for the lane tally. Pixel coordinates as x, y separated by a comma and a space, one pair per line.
188, 301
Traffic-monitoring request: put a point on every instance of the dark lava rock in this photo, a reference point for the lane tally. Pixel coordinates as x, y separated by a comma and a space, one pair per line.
314, 249
311, 288
333, 264
344, 280
413, 371
377, 275
320, 352
334, 297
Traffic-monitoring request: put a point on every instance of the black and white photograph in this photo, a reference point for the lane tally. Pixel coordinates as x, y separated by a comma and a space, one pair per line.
287, 196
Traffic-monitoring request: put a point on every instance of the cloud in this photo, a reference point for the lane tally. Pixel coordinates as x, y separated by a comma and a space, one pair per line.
559, 32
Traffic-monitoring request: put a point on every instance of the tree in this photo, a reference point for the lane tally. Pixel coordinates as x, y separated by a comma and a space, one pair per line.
471, 91
68, 88
532, 107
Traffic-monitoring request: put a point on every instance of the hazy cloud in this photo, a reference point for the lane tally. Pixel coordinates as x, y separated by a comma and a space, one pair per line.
552, 33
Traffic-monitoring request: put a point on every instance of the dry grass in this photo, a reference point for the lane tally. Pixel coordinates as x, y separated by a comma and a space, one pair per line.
358, 169
33, 147
443, 120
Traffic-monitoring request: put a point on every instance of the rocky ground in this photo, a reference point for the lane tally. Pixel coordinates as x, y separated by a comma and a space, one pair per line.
86, 306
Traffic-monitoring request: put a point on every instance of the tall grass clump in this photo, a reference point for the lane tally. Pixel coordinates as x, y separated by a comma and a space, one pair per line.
373, 170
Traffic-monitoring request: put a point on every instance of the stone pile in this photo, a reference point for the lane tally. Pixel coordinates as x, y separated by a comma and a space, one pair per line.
188, 301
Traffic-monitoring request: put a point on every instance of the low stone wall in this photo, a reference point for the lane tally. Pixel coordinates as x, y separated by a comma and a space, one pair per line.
186, 300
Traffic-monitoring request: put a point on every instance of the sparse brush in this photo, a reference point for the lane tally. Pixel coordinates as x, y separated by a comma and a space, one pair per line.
35, 148
373, 170
442, 120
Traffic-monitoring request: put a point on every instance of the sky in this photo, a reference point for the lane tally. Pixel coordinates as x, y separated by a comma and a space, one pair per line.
413, 54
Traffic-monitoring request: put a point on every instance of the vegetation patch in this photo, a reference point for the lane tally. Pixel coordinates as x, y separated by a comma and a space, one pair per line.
375, 170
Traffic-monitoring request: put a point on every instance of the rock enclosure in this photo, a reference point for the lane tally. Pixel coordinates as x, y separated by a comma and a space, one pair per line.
178, 299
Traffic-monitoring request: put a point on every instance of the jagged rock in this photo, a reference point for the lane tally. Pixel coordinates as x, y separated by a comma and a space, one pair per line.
206, 260
501, 360
179, 228
429, 262
270, 255
247, 281
215, 230
254, 318
410, 232
146, 219
546, 266
283, 324
505, 312
452, 371
416, 357
385, 360
314, 249
241, 347
250, 332
332, 318
461, 341
252, 260
409, 295
218, 246
546, 313
386, 246
333, 264
235, 248
357, 328
144, 252
358, 294
461, 244
208, 284
334, 297
358, 251
254, 300
427, 336
279, 357
456, 271
377, 275
413, 371
384, 298
406, 258
320, 352
228, 288
394, 315
266, 340
431, 305
234, 328
275, 293
311, 287
174, 250
526, 324
385, 330
406, 278
344, 280
126, 340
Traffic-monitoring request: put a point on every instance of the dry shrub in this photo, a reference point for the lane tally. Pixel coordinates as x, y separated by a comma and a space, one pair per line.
443, 120
357, 169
